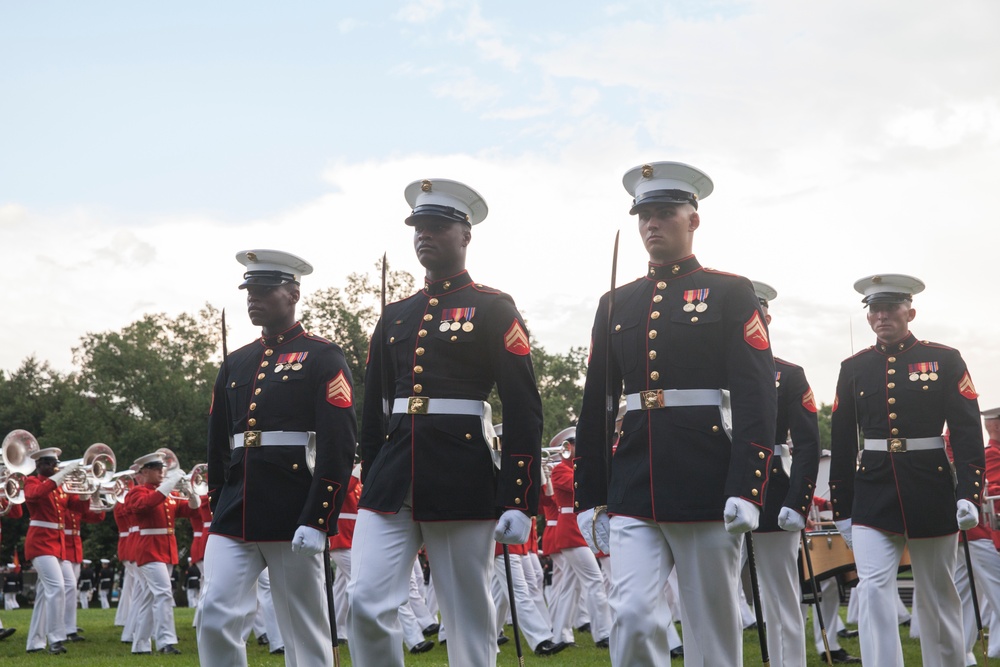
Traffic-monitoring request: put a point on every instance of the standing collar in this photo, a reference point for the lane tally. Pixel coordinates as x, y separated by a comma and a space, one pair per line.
277, 339
678, 269
445, 285
900, 346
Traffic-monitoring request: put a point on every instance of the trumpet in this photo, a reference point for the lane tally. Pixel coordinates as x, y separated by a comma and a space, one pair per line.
198, 479
183, 489
97, 467
18, 447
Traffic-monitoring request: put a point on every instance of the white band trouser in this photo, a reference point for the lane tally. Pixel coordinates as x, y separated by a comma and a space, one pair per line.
48, 615
780, 594
707, 559
535, 626
938, 605
154, 610
579, 563
229, 600
341, 577
71, 593
986, 570
382, 559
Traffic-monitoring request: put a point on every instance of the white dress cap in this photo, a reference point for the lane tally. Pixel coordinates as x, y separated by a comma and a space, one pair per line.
444, 199
52, 452
666, 183
155, 457
765, 293
991, 414
272, 267
888, 288
562, 436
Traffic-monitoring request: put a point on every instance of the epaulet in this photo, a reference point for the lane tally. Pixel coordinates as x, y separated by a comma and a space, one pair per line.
479, 287
786, 363
855, 356
403, 300
312, 336
927, 343
721, 273
635, 283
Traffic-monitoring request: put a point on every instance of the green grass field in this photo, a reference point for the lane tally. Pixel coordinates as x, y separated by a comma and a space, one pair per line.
103, 648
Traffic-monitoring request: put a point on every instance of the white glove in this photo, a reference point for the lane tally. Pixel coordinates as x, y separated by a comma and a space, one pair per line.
790, 520
967, 515
64, 470
308, 541
596, 533
740, 516
844, 526
513, 527
169, 481
194, 502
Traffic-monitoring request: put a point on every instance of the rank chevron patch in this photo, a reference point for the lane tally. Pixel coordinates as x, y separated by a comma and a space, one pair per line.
755, 333
338, 391
966, 388
516, 341
809, 401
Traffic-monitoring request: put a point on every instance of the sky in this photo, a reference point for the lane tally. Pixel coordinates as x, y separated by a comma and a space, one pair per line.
142, 145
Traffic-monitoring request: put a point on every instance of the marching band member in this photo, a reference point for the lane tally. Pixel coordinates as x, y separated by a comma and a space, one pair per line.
74, 556
45, 547
687, 343
428, 475
900, 392
155, 511
286, 395
786, 506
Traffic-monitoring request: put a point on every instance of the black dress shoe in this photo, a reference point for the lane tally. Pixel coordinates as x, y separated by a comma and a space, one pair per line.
263, 640
56, 647
842, 657
432, 629
502, 639
341, 641
142, 653
169, 649
73, 637
584, 628
35, 650
548, 648
677, 652
278, 651
422, 647
844, 633
602, 643
6, 632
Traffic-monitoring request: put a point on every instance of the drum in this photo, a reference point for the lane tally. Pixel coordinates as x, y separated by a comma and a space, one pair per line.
829, 555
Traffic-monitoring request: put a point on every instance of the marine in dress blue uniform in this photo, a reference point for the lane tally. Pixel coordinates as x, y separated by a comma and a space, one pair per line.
278, 403
690, 347
900, 392
427, 467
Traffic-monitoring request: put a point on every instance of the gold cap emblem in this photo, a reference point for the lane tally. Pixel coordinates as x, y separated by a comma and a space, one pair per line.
252, 256
425, 185
647, 171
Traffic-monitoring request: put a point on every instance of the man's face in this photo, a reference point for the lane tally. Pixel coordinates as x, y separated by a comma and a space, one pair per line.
440, 244
46, 466
890, 321
993, 428
270, 306
667, 230
151, 474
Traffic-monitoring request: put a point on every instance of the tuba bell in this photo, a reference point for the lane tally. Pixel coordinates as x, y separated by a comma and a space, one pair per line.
198, 479
97, 467
171, 462
18, 447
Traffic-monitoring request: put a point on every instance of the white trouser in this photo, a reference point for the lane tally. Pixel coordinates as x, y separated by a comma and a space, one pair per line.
69, 620
412, 632
138, 592
102, 595
417, 597
534, 576
562, 597
125, 596
192, 597
986, 570
84, 597
828, 608
531, 622
204, 584
155, 609
776, 555
228, 599
10, 601
265, 606
341, 577
707, 559
581, 563
460, 554
877, 556
49, 614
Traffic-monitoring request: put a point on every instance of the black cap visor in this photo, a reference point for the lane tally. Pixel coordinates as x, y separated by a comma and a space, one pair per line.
266, 278
434, 211
664, 197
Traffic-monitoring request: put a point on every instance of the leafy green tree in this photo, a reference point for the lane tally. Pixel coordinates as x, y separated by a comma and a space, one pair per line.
824, 416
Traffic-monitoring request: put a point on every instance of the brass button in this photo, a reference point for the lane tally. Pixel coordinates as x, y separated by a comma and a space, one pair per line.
251, 422
329, 488
774, 470
422, 333
256, 392
520, 482
517, 501
895, 431
892, 359
979, 472
468, 436
809, 486
268, 352
655, 375
454, 338
281, 339
754, 492
418, 369
861, 393
756, 473
652, 354
760, 454
419, 351
575, 484
618, 327
975, 496
265, 364
234, 384
891, 371
836, 513
326, 504
433, 302
925, 387
715, 429
428, 317
892, 415
891, 385
392, 339
284, 378
658, 298
803, 508
417, 388
321, 522
661, 285
574, 466
520, 464
652, 334
694, 318
295, 466
253, 406
892, 401
655, 315
675, 269
977, 485
260, 376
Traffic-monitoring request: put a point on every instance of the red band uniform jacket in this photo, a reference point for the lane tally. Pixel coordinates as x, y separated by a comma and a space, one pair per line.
125, 523
888, 392
797, 418
74, 543
677, 463
287, 382
445, 457
49, 503
154, 511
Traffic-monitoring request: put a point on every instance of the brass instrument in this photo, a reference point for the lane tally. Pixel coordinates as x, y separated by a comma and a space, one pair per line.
198, 479
97, 467
183, 490
18, 447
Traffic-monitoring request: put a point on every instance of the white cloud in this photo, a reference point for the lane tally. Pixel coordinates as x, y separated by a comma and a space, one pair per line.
420, 11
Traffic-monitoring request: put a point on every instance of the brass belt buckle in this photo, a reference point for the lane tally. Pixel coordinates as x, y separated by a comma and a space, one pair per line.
416, 405
251, 438
897, 445
652, 399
